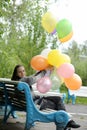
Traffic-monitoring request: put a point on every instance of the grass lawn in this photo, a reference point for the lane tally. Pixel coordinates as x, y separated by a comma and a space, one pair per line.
79, 100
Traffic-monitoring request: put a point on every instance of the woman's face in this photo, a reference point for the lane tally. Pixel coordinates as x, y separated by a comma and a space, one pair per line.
21, 72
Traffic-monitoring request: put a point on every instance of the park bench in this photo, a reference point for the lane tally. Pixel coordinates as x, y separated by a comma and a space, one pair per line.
72, 94
17, 95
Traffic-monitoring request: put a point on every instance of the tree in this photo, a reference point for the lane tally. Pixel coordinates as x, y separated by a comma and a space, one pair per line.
77, 54
23, 35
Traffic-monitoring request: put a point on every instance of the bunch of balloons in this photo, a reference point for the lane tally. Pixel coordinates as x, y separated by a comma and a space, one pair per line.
64, 70
63, 27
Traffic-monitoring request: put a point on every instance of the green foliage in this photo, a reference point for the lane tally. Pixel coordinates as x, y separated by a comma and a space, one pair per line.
81, 100
78, 58
22, 35
7, 63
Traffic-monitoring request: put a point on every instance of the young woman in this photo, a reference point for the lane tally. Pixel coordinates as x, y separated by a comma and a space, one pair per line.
55, 102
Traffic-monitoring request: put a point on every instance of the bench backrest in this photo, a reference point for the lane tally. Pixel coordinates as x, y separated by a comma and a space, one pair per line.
2, 97
10, 94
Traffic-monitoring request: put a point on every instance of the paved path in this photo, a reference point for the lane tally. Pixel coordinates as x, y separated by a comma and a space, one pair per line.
78, 112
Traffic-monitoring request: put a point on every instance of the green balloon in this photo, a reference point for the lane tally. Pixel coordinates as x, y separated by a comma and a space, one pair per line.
63, 28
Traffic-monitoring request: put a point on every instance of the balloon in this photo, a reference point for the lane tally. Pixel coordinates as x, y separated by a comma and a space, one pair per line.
44, 84
64, 30
66, 38
56, 58
49, 22
64, 58
56, 81
39, 62
45, 52
53, 57
73, 82
53, 32
66, 70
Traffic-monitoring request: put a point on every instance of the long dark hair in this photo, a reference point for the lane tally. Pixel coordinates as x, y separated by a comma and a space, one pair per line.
14, 75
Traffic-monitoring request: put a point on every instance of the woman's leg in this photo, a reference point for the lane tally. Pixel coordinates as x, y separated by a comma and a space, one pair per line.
59, 105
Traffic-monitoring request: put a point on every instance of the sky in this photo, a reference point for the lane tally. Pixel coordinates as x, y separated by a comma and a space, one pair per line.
75, 11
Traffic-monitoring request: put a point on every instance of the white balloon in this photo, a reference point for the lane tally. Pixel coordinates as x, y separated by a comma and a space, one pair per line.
45, 52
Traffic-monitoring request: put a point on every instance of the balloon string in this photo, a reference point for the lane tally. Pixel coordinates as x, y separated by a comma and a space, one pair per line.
60, 43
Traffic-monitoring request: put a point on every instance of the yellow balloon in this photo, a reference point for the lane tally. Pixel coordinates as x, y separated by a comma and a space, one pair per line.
56, 58
49, 22
64, 58
53, 57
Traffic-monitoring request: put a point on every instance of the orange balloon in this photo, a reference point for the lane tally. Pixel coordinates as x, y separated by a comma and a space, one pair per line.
66, 38
39, 62
73, 82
